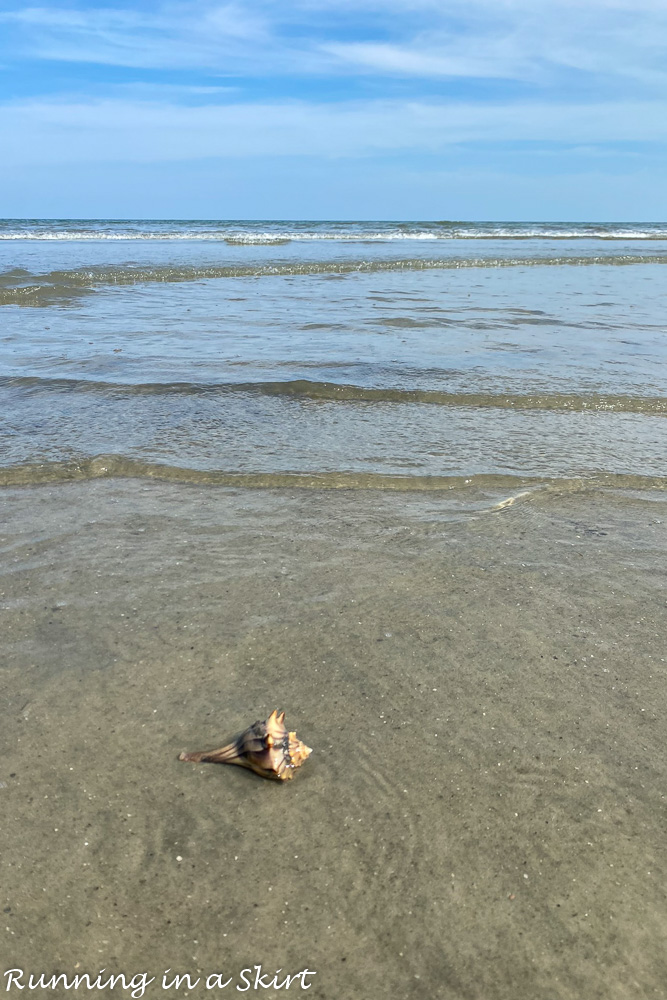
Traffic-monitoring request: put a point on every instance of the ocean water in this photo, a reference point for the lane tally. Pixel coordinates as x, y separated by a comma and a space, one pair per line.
398, 355
404, 481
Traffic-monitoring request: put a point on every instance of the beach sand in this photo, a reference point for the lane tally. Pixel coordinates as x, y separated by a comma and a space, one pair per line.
483, 816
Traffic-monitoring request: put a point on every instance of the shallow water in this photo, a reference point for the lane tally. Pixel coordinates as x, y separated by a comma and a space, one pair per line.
484, 689
405, 481
356, 348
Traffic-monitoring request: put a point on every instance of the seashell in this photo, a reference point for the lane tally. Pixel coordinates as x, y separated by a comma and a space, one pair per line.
265, 747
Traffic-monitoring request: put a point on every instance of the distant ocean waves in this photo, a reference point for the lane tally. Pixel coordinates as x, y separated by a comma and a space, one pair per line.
268, 233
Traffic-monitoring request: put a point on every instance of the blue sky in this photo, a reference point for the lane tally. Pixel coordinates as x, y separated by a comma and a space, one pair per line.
385, 109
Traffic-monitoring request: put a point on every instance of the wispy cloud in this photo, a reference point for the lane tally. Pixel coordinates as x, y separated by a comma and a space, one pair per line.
188, 36
529, 40
447, 60
515, 39
141, 131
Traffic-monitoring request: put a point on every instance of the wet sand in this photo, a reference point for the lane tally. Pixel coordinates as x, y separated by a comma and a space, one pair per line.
485, 691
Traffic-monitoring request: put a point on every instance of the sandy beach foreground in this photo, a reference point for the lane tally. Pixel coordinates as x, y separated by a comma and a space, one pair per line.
485, 691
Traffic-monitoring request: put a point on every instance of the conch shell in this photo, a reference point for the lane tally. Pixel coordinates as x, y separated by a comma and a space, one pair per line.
265, 747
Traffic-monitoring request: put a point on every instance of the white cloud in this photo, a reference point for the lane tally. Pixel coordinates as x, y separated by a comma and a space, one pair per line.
445, 62
191, 35
152, 132
160, 92
531, 40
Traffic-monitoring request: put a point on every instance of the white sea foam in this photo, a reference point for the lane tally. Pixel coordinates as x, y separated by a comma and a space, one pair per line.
268, 234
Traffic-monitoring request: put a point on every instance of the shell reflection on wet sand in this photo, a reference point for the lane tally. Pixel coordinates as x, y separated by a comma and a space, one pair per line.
267, 748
